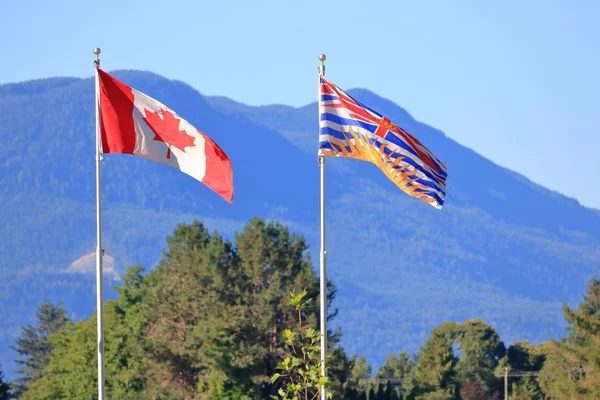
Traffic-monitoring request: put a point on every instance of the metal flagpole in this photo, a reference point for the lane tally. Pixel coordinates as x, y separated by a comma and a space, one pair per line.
323, 269
505, 383
99, 250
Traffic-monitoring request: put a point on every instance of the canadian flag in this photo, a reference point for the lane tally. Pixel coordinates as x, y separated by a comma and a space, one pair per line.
133, 123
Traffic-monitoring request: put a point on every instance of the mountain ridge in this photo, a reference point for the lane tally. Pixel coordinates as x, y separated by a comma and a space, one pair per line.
503, 248
225, 104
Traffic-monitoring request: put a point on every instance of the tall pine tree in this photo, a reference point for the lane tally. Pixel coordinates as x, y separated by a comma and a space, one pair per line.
572, 367
33, 346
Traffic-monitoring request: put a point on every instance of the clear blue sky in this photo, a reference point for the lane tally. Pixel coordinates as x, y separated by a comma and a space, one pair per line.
518, 81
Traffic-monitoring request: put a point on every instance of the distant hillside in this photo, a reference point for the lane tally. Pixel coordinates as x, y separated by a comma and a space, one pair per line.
503, 249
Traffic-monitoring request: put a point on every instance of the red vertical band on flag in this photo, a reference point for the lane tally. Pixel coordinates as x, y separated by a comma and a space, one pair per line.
218, 175
116, 110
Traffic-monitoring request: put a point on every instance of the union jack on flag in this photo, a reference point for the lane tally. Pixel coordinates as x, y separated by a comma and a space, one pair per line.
352, 130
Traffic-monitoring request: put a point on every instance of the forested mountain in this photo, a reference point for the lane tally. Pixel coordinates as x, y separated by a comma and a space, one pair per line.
503, 249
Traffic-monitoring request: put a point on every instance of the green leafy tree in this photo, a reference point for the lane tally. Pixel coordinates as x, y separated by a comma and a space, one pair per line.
33, 346
560, 375
523, 356
71, 373
481, 350
572, 367
5, 391
301, 369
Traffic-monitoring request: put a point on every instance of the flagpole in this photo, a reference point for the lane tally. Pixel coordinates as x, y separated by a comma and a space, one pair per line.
323, 255
99, 250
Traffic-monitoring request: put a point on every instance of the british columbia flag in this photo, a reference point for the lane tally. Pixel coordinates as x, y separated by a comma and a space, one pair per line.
352, 130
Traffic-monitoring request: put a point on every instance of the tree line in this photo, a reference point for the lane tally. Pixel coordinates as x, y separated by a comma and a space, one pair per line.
239, 320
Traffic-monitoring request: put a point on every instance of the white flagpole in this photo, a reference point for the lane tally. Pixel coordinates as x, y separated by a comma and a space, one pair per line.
323, 269
99, 250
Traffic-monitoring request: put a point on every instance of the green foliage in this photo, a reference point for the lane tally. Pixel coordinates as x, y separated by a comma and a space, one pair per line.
436, 362
396, 367
72, 370
437, 395
212, 321
400, 369
440, 373
481, 350
525, 357
526, 389
572, 367
360, 374
34, 347
300, 375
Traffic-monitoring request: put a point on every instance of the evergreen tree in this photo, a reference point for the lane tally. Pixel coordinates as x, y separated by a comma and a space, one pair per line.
340, 369
33, 346
435, 372
4, 388
360, 375
239, 309
398, 368
572, 367
192, 318
273, 263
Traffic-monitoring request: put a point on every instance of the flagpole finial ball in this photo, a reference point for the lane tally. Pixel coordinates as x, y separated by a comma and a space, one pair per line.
322, 57
97, 51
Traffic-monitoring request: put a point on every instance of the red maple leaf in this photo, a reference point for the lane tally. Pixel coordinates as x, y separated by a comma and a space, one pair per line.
166, 130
